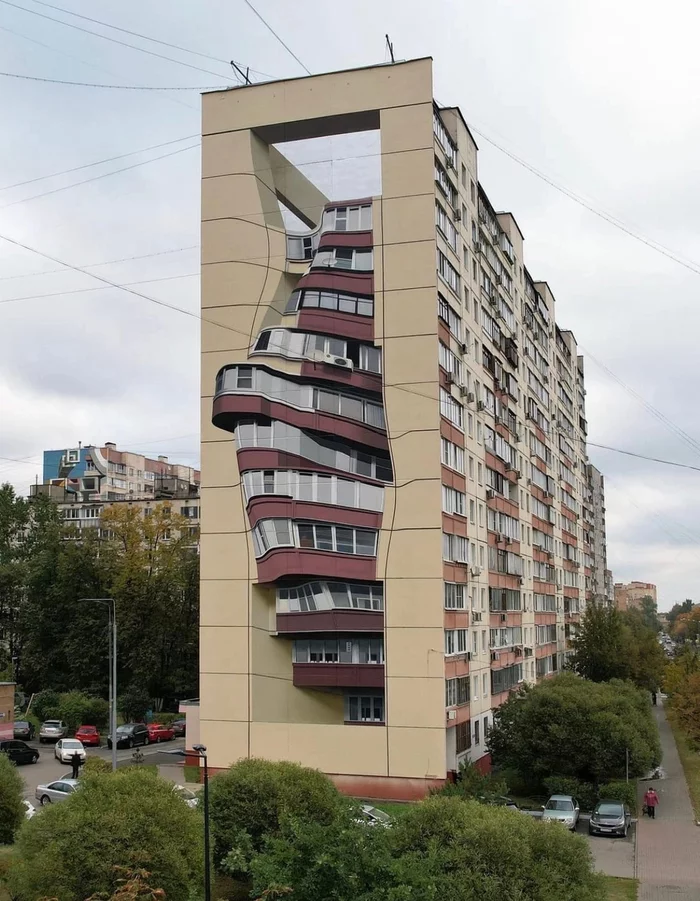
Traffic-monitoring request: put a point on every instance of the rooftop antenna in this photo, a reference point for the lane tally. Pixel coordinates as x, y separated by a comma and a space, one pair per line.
244, 75
390, 47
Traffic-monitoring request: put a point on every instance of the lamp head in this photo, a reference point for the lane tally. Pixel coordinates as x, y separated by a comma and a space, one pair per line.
200, 748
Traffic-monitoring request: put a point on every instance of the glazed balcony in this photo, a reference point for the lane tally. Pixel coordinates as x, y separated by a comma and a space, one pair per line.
339, 663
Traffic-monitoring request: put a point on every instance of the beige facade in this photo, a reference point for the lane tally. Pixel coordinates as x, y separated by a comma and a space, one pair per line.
393, 443
7, 710
630, 595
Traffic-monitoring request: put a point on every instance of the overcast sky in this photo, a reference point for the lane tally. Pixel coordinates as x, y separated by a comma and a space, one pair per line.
599, 96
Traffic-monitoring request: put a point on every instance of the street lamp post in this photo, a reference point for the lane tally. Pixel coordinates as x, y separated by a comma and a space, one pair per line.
112, 611
201, 752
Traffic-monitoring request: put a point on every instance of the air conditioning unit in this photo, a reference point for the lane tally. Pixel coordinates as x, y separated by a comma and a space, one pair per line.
480, 405
497, 419
449, 378
477, 246
475, 570
529, 481
468, 655
476, 616
457, 214
448, 163
493, 300
495, 655
517, 437
490, 494
520, 579
451, 714
518, 475
504, 617
320, 356
526, 351
465, 348
518, 651
508, 539
550, 555
499, 280
466, 393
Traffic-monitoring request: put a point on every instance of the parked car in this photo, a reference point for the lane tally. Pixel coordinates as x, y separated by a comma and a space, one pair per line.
562, 809
610, 818
19, 751
129, 735
373, 816
500, 801
29, 809
88, 735
23, 729
187, 796
158, 732
66, 748
52, 730
55, 791
178, 727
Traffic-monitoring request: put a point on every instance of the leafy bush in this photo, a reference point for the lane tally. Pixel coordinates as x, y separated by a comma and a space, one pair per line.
134, 704
76, 709
571, 727
11, 795
45, 705
250, 802
131, 819
95, 765
584, 792
620, 791
472, 783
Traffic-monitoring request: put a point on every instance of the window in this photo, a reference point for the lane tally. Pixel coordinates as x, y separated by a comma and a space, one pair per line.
455, 642
447, 272
444, 183
358, 259
451, 410
453, 456
310, 486
503, 524
330, 595
485, 681
504, 599
545, 603
455, 549
444, 139
448, 315
356, 305
190, 512
348, 218
453, 501
457, 691
450, 363
454, 596
364, 708
506, 637
271, 533
505, 679
327, 452
332, 650
476, 732
463, 737
505, 562
446, 226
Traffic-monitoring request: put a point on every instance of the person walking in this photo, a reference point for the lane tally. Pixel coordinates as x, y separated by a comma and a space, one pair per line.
76, 763
651, 801
653, 698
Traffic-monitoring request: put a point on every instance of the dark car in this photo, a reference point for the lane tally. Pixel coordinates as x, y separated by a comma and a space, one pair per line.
19, 751
23, 729
610, 818
129, 735
178, 727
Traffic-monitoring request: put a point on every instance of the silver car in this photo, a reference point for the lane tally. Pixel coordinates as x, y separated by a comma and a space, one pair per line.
52, 730
66, 748
55, 791
562, 809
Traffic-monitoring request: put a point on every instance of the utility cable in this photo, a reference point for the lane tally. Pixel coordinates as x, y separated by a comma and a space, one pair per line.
112, 87
145, 281
273, 32
627, 453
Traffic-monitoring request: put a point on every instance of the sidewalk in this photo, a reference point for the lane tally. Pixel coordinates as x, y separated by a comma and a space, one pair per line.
668, 848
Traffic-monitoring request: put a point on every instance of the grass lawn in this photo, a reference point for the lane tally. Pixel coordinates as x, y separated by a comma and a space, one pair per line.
690, 760
191, 773
621, 889
393, 808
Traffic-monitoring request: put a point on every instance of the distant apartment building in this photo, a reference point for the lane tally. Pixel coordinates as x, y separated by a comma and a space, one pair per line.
83, 480
594, 537
609, 587
394, 465
630, 595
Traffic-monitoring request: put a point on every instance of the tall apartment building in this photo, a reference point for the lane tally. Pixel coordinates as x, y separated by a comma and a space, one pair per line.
630, 595
393, 443
84, 479
594, 536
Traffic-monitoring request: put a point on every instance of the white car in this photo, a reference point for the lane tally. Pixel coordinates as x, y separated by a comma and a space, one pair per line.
67, 747
29, 809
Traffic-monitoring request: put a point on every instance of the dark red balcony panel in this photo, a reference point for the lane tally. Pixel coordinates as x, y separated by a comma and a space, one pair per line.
339, 675
229, 408
342, 280
329, 621
271, 458
354, 378
345, 239
282, 562
333, 322
268, 506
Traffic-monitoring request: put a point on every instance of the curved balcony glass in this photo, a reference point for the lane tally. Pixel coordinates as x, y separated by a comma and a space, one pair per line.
314, 596
320, 488
269, 534
293, 345
303, 245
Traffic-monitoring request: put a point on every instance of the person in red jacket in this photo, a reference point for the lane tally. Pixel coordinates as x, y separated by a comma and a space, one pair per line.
651, 801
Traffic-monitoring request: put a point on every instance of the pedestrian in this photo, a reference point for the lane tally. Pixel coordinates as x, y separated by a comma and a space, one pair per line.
653, 698
76, 763
651, 801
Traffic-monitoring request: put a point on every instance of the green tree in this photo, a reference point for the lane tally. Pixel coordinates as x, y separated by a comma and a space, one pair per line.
134, 703
11, 795
538, 731
644, 655
649, 611
251, 800
77, 708
679, 669
599, 646
677, 609
129, 819
45, 705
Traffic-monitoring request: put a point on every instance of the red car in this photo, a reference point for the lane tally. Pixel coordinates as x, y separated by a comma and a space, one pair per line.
88, 735
157, 732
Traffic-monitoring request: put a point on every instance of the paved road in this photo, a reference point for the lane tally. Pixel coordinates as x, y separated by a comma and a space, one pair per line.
668, 848
612, 856
48, 768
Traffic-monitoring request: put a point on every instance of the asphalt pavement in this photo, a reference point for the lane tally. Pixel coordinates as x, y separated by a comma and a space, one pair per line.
48, 769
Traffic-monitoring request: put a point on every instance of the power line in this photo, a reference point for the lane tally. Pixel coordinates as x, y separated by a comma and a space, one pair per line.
109, 159
105, 37
627, 453
86, 181
112, 87
145, 281
143, 256
145, 37
272, 31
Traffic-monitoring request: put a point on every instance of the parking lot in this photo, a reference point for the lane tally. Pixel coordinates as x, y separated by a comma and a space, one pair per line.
48, 768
